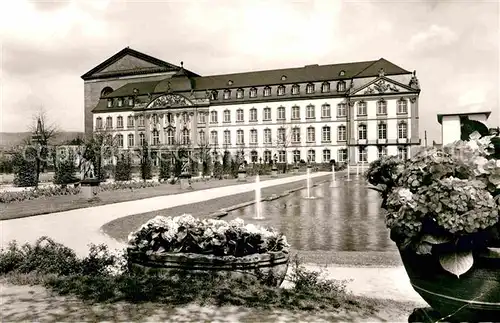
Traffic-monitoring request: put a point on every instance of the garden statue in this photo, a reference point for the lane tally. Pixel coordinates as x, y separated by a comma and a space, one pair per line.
275, 159
185, 165
86, 169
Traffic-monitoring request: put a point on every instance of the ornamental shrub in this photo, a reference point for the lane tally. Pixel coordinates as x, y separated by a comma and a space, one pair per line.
25, 168
66, 171
164, 168
123, 169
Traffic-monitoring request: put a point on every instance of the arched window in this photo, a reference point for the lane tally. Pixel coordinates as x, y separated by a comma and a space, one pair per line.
326, 111
325, 135
325, 87
341, 133
119, 140
253, 92
109, 123
98, 123
227, 116
281, 113
295, 89
281, 90
119, 122
239, 94
267, 114
107, 90
227, 94
267, 156
361, 108
326, 155
214, 138
142, 139
201, 137
130, 140
311, 134
253, 114
130, 121
310, 88
402, 130
267, 91
239, 115
156, 137
340, 86
311, 155
213, 117
296, 156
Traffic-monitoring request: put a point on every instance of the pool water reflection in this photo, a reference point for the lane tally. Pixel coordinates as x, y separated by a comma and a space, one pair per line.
346, 218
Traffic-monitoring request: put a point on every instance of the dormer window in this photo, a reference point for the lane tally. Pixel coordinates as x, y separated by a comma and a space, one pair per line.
110, 103
239, 94
283, 77
325, 87
342, 73
229, 82
341, 86
267, 91
253, 92
120, 102
310, 88
295, 89
214, 95
281, 90
130, 102
227, 94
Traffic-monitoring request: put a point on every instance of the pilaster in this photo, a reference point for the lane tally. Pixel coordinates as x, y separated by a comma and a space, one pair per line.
414, 119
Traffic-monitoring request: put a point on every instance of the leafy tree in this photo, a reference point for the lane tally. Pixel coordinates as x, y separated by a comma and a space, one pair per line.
99, 147
43, 134
467, 127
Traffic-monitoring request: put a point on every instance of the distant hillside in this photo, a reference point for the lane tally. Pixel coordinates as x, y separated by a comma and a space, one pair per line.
9, 139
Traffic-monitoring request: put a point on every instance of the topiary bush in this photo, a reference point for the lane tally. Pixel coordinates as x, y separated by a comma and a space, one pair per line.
164, 168
25, 168
123, 169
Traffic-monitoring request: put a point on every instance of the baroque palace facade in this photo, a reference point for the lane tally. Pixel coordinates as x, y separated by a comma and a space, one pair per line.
352, 112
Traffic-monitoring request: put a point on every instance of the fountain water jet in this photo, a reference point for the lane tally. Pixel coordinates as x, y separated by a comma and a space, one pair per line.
348, 179
308, 179
334, 181
258, 205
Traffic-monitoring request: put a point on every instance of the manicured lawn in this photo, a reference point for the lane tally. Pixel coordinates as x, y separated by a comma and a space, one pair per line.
69, 202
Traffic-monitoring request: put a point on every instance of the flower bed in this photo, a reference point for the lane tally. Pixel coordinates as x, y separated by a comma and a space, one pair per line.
183, 243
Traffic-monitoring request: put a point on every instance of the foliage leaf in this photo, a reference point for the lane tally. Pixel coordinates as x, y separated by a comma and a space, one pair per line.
457, 263
433, 239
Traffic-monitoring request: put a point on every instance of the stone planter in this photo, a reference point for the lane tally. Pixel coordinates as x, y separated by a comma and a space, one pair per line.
295, 170
89, 188
474, 297
274, 172
256, 266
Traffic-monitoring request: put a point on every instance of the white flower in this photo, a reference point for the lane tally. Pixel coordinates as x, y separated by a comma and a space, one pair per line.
237, 223
132, 236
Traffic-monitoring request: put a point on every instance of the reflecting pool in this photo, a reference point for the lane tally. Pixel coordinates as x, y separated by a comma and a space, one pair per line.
345, 218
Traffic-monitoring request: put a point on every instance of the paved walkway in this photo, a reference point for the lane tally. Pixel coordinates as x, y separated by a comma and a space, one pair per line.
78, 228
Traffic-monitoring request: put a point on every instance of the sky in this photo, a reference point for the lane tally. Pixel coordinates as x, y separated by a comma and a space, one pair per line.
47, 45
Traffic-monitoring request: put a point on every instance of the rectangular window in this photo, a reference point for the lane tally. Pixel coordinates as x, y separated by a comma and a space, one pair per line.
281, 156
362, 132
130, 140
295, 112
325, 111
253, 136
213, 138
201, 118
130, 122
403, 153
281, 113
296, 135
267, 114
239, 115
342, 155
342, 133
281, 135
382, 131
311, 156
227, 116
382, 151
267, 136
341, 110
326, 134
382, 107
227, 137
310, 112
141, 121
253, 115
240, 139
361, 108
213, 117
311, 134
326, 156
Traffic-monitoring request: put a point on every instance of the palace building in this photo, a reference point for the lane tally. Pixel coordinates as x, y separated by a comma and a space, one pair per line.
352, 112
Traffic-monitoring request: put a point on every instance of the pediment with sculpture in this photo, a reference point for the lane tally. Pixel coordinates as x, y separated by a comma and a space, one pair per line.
382, 85
169, 100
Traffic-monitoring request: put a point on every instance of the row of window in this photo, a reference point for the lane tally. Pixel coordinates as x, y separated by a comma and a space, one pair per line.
282, 137
121, 101
281, 114
280, 91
